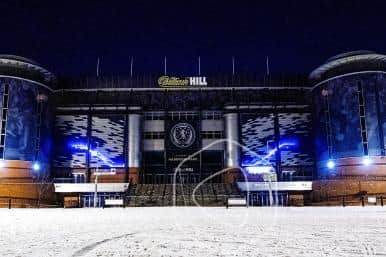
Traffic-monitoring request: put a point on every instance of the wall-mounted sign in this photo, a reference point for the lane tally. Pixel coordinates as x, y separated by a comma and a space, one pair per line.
182, 141
166, 81
182, 135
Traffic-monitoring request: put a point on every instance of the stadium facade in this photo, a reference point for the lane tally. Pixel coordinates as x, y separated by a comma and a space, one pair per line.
314, 139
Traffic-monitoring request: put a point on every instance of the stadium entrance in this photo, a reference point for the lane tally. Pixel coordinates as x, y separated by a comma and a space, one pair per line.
264, 199
173, 142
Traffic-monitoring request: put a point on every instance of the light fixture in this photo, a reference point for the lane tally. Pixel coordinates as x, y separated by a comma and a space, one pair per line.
36, 166
330, 164
366, 161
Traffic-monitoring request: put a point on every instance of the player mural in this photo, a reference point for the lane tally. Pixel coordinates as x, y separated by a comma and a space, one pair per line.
21, 121
107, 140
70, 130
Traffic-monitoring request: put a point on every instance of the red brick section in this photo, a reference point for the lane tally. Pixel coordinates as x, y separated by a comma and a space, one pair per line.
134, 175
341, 187
231, 176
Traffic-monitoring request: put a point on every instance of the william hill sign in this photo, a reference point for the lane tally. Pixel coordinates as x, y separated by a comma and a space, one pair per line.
166, 81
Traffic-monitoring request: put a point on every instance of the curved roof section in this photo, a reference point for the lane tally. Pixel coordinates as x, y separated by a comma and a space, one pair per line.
17, 58
356, 61
12, 65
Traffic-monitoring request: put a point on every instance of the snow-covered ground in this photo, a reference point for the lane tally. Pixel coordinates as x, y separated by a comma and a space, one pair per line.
193, 231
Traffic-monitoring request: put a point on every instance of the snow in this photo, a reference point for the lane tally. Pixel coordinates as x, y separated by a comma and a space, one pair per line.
194, 231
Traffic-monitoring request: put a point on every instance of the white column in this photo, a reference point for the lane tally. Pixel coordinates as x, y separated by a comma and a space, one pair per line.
134, 140
232, 151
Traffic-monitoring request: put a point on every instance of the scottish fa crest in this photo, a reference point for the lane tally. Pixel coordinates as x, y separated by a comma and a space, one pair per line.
182, 135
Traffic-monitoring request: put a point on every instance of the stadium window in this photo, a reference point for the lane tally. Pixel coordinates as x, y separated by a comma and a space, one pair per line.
154, 135
154, 116
211, 134
211, 115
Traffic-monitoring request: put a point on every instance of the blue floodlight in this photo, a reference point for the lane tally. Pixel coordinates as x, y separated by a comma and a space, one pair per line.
330, 164
36, 166
79, 146
366, 161
288, 144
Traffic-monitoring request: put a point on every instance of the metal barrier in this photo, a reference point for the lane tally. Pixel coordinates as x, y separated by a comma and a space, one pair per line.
181, 200
19, 202
354, 200
236, 202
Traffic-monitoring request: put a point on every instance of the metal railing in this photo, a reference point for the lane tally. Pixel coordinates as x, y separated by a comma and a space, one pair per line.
359, 199
181, 200
20, 202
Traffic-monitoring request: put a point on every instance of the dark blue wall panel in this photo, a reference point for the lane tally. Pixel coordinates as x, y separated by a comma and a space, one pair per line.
295, 129
369, 93
344, 116
320, 121
108, 135
256, 131
45, 148
70, 138
381, 85
2, 83
21, 121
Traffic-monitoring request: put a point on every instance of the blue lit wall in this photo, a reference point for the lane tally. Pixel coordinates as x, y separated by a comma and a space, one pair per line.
106, 142
21, 121
370, 96
25, 137
343, 103
108, 133
296, 128
380, 80
45, 143
256, 131
319, 124
294, 140
1, 97
344, 115
70, 129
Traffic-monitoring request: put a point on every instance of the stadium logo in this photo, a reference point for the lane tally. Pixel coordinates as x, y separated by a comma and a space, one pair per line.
166, 81
182, 135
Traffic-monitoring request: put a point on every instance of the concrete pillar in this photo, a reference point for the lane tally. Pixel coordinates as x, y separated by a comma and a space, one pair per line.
134, 145
232, 150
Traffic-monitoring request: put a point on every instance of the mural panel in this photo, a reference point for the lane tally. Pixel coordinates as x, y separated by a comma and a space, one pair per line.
258, 135
381, 85
369, 88
107, 141
295, 131
70, 141
344, 116
21, 128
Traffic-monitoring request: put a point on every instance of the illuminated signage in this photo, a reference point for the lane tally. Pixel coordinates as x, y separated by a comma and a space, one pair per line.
166, 81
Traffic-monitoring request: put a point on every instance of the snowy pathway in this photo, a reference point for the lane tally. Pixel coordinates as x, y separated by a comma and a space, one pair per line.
352, 231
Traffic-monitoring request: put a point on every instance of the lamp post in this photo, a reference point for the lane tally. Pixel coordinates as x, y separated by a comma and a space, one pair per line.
96, 179
269, 175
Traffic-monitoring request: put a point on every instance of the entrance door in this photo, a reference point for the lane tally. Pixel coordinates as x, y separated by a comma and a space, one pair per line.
263, 199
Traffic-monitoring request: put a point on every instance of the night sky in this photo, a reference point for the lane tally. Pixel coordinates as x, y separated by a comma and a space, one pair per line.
67, 37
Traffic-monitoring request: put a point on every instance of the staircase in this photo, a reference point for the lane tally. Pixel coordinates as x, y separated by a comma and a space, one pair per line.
210, 194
